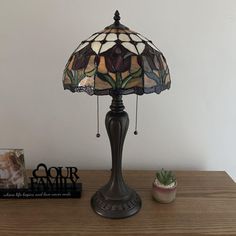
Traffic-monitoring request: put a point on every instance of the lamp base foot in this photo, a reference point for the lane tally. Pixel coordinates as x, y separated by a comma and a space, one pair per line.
116, 209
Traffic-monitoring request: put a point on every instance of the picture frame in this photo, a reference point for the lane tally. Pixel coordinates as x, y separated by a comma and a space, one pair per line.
12, 169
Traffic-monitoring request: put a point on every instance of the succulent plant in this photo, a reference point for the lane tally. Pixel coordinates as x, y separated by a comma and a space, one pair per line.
165, 177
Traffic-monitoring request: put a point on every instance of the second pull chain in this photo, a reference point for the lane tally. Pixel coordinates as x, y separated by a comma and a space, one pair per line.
136, 117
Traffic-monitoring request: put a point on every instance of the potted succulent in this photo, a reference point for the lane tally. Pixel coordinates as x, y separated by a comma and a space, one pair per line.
164, 186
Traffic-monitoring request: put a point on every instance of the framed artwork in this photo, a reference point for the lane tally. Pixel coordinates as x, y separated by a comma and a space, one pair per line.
12, 169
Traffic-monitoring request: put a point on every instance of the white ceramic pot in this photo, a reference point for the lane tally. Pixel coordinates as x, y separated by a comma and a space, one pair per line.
164, 194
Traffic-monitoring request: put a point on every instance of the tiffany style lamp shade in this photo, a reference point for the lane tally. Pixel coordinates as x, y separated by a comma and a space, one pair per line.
116, 61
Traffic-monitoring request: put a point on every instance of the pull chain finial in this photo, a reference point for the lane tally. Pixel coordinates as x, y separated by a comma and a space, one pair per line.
117, 17
98, 132
136, 117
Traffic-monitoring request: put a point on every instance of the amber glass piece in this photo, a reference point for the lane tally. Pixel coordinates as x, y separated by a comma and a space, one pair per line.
137, 82
91, 64
102, 65
101, 84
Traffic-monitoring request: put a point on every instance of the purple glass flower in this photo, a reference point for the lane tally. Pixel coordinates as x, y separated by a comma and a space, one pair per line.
118, 59
82, 58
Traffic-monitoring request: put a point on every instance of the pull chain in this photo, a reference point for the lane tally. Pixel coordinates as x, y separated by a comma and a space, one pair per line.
136, 116
98, 133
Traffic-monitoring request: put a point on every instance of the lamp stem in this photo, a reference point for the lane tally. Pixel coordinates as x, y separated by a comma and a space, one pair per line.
116, 199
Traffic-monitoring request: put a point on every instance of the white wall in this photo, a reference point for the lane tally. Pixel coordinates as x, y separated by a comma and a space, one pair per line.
191, 126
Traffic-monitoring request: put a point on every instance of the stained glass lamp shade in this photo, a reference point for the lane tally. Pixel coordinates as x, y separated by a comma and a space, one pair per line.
116, 61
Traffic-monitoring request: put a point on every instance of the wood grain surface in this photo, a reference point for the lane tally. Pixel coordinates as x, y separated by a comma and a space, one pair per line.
205, 205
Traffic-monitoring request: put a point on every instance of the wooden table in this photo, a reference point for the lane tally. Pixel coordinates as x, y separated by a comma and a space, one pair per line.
205, 205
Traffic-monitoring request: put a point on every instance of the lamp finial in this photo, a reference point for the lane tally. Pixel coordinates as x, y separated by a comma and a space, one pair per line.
117, 17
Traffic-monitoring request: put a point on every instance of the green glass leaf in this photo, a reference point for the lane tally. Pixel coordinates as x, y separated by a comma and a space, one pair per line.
118, 80
134, 75
69, 74
75, 80
90, 73
81, 75
107, 78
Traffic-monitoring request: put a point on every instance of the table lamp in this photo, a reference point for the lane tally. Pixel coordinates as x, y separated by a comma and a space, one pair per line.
116, 61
